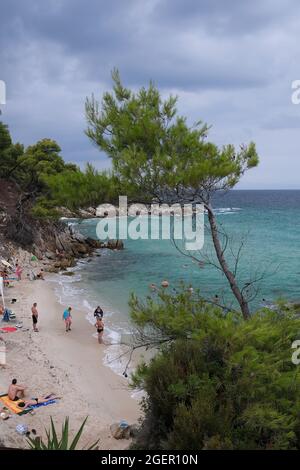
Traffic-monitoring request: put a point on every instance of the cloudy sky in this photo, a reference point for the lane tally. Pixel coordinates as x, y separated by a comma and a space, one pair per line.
231, 63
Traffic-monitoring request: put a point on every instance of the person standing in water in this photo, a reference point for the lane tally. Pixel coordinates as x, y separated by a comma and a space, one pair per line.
100, 328
67, 317
98, 313
35, 316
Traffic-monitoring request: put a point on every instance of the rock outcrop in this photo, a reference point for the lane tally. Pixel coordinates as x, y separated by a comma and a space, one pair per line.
55, 242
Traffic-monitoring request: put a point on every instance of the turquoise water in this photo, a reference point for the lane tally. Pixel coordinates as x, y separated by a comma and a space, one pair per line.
270, 221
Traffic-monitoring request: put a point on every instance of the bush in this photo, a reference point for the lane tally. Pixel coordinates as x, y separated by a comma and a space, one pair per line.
54, 442
231, 385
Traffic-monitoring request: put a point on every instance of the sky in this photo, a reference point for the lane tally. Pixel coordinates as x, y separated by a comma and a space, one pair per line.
231, 63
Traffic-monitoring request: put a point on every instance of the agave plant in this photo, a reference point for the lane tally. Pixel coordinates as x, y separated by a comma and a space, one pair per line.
54, 442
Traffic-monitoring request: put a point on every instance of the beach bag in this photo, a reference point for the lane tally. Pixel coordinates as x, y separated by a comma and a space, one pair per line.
22, 429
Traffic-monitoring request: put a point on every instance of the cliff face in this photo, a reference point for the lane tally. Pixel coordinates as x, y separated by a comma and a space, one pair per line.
44, 238
53, 240
8, 199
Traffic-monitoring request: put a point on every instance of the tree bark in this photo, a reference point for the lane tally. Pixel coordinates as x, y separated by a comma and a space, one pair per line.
220, 255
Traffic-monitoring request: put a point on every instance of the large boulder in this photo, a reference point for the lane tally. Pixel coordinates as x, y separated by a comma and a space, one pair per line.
87, 213
115, 245
93, 243
50, 255
120, 432
79, 249
78, 237
64, 263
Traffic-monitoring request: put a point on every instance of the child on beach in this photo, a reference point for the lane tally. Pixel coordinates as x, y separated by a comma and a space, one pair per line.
100, 328
67, 317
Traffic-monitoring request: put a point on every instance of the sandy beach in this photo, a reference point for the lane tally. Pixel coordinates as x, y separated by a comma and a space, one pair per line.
67, 364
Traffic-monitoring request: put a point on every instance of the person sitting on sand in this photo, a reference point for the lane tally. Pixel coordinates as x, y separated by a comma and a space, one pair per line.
4, 275
15, 392
98, 313
67, 317
100, 328
31, 276
37, 401
40, 275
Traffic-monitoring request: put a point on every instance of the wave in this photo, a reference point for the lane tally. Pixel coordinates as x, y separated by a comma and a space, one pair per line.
70, 290
227, 210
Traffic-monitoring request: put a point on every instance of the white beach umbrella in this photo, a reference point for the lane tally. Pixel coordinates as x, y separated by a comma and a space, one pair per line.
6, 263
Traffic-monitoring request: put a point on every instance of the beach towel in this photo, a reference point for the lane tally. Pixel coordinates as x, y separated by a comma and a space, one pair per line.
38, 405
8, 329
13, 405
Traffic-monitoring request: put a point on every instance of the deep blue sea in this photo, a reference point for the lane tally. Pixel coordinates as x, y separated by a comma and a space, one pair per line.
269, 223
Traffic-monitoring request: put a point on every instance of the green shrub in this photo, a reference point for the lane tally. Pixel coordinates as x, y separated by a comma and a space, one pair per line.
54, 442
229, 385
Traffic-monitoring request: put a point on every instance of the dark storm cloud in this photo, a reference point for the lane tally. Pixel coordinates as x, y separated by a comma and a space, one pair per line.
230, 17
231, 63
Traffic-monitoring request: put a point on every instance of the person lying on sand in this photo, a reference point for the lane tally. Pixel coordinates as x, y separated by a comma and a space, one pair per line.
37, 401
15, 392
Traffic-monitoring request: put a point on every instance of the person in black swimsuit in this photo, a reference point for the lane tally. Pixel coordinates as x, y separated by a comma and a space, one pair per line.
35, 316
98, 313
37, 401
100, 328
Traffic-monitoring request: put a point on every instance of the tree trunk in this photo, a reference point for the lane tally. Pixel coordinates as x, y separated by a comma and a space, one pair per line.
220, 255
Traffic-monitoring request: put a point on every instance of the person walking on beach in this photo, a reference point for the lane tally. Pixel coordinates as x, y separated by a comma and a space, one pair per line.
100, 328
19, 271
98, 313
35, 316
67, 317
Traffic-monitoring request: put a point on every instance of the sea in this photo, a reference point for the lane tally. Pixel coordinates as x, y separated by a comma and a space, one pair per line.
261, 229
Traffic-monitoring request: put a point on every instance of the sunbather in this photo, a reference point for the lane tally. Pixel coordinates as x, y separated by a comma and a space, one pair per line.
37, 401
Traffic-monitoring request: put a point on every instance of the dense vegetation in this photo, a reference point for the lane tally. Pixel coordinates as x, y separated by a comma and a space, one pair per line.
42, 175
217, 382
220, 379
157, 155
